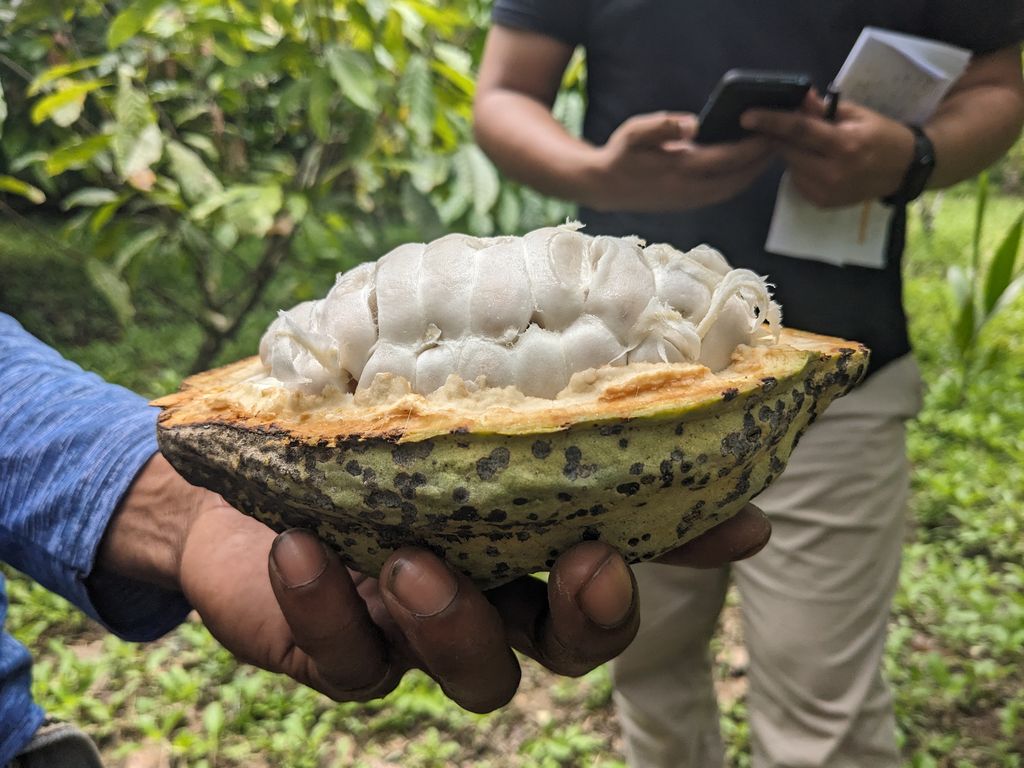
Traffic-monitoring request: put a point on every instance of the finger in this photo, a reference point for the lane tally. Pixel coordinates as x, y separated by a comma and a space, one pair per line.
729, 158
455, 633
741, 536
795, 129
814, 104
344, 652
586, 615
658, 128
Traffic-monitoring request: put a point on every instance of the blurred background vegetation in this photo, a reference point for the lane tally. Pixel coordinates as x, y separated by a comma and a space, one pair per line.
172, 172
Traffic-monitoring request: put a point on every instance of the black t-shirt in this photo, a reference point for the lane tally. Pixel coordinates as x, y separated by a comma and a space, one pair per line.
649, 55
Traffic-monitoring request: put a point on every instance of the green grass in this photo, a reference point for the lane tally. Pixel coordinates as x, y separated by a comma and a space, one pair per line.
954, 655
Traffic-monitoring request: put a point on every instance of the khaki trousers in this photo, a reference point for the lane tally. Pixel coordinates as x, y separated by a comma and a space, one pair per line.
815, 605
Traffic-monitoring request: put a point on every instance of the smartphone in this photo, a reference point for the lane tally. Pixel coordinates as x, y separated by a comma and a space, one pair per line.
743, 89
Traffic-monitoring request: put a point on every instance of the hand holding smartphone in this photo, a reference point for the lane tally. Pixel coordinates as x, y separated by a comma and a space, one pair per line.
743, 89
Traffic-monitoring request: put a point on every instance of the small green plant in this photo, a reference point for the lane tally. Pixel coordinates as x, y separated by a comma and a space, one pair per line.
981, 291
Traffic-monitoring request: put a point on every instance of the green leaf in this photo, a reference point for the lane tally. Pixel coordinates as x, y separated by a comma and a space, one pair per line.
135, 246
22, 189
202, 144
321, 92
354, 75
1000, 271
113, 288
1013, 290
61, 71
472, 168
76, 154
416, 96
65, 106
104, 214
88, 197
197, 182
979, 221
460, 80
250, 208
138, 142
510, 211
130, 21
214, 719
964, 320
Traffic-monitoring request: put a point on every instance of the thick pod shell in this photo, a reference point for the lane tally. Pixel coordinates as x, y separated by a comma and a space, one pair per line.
644, 457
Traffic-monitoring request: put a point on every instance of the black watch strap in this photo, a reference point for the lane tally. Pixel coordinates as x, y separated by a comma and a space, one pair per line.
920, 170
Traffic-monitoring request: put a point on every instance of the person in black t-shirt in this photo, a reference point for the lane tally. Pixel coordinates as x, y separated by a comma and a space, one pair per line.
815, 602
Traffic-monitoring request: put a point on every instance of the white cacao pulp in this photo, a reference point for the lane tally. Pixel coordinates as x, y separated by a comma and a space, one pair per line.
526, 312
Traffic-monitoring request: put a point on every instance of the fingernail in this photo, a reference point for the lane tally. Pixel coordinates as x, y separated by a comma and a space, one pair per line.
298, 557
424, 587
607, 599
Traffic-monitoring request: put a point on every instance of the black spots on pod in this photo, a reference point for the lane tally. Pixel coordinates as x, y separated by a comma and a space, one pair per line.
574, 468
680, 428
489, 466
595, 511
667, 472
520, 501
773, 417
380, 498
740, 489
406, 454
623, 443
466, 514
607, 430
354, 468
689, 518
541, 449
628, 489
407, 484
460, 494
590, 534
563, 496
637, 468
768, 383
497, 516
730, 394
744, 443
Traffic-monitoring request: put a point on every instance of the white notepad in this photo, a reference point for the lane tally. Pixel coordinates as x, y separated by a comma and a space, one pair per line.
901, 76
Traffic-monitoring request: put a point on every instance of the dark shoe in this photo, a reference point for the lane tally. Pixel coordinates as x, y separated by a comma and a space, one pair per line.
58, 745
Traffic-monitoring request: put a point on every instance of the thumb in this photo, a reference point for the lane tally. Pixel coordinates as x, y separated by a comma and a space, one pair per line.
655, 129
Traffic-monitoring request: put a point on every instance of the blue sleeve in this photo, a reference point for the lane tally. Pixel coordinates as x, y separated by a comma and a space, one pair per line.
70, 446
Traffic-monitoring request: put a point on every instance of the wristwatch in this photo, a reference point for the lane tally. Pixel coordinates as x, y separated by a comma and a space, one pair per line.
920, 170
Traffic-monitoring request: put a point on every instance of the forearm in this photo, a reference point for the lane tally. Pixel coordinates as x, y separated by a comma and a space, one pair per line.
71, 448
980, 120
147, 533
527, 143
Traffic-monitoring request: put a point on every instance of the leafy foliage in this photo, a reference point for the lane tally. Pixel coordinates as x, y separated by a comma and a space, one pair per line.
953, 655
982, 290
235, 136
